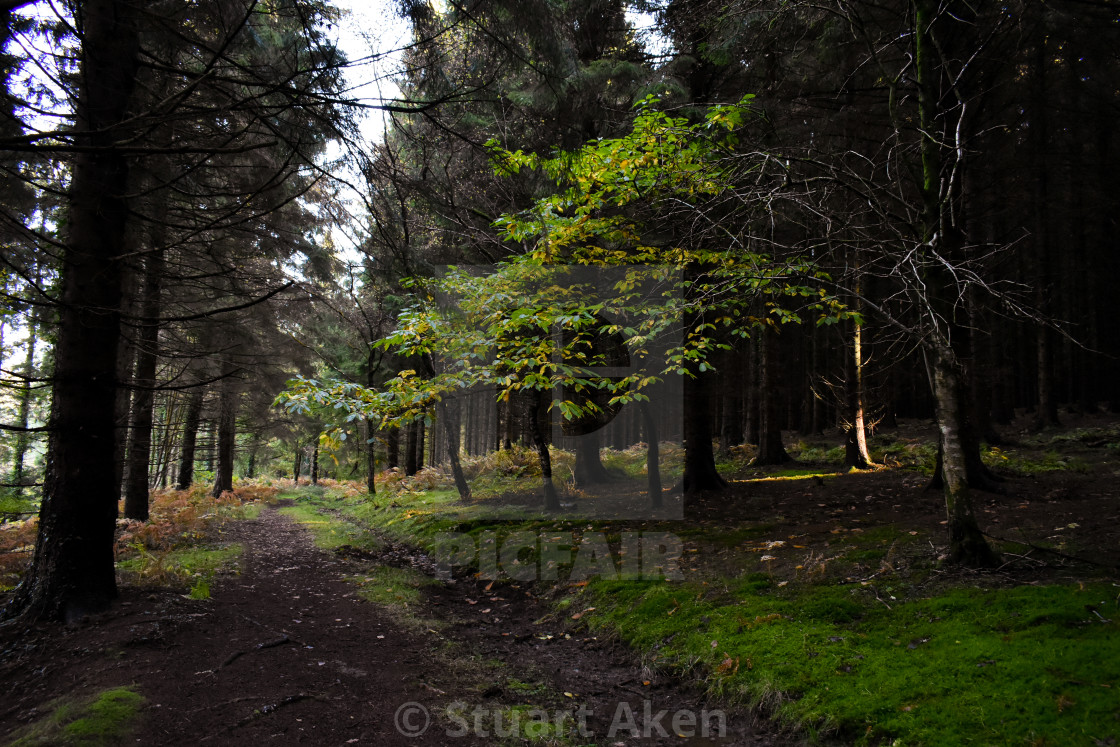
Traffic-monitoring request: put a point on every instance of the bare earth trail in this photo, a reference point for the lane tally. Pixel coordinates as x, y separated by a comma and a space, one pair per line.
285, 652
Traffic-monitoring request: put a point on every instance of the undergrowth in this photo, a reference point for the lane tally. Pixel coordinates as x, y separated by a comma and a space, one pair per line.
169, 549
175, 547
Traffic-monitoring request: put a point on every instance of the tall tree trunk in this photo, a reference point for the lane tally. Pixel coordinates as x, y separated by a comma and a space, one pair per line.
510, 421
72, 572
147, 353
551, 499
449, 414
372, 364
770, 447
190, 438
589, 469
966, 543
751, 403
1046, 415
227, 432
731, 431
371, 457
700, 471
297, 463
254, 447
315, 463
411, 463
856, 453
23, 439
393, 448
653, 456
126, 363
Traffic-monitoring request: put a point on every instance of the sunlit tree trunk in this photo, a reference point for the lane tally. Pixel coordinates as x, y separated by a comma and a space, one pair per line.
856, 453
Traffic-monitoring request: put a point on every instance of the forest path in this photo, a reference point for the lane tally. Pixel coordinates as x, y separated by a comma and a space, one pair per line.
286, 652
283, 652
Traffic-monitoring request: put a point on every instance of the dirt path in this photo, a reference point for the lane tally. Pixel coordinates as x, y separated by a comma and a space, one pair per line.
285, 652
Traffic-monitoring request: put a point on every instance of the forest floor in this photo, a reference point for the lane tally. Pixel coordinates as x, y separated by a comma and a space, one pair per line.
343, 641
286, 651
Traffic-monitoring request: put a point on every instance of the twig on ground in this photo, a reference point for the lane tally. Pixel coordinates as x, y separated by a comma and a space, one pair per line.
260, 647
266, 711
1048, 550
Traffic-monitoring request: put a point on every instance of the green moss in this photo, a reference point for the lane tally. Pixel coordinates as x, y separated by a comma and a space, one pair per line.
908, 453
1025, 463
1010, 666
391, 587
104, 719
530, 688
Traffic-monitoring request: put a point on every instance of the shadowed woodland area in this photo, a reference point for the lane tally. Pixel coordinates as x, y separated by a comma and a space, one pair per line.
764, 276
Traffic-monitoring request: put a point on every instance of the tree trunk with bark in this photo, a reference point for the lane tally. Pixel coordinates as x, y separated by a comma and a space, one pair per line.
371, 457
700, 471
393, 448
72, 573
966, 542
551, 499
731, 427
653, 456
143, 400
939, 293
770, 447
589, 469
23, 440
449, 414
190, 438
856, 453
411, 461
227, 433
